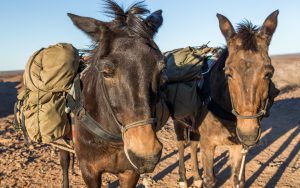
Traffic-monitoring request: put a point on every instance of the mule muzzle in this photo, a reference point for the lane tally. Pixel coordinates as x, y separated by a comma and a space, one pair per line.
249, 139
144, 164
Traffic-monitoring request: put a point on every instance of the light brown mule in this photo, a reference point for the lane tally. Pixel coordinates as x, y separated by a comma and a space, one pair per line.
241, 85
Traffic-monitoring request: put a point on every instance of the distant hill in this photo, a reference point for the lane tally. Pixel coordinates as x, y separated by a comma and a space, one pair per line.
294, 55
287, 69
286, 76
13, 72
11, 76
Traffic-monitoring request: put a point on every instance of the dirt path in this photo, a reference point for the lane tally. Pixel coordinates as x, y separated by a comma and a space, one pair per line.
274, 162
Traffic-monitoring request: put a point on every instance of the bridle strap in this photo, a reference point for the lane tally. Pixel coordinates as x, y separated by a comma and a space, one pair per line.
255, 116
123, 128
86, 120
261, 113
138, 123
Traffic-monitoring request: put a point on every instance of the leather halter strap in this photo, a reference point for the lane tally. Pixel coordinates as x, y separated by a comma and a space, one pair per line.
261, 113
93, 126
86, 121
123, 128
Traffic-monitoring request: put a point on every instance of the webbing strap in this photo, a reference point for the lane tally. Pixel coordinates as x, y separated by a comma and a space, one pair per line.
89, 123
94, 127
85, 119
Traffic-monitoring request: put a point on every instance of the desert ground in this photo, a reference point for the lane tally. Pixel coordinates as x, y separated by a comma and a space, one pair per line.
274, 162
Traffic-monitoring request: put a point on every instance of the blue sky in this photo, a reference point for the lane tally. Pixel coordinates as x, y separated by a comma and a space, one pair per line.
29, 25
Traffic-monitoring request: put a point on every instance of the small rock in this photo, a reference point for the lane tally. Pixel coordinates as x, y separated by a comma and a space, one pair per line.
31, 147
19, 165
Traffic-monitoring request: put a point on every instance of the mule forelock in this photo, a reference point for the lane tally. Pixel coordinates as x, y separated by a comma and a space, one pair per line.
129, 20
246, 31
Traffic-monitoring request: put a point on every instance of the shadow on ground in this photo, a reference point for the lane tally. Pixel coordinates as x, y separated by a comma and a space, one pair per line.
8, 96
284, 118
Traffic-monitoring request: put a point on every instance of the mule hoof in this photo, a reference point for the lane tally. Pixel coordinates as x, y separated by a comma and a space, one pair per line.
147, 182
241, 185
74, 173
183, 184
197, 183
209, 184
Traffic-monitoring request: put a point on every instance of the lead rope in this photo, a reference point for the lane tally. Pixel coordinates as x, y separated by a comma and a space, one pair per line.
244, 152
127, 156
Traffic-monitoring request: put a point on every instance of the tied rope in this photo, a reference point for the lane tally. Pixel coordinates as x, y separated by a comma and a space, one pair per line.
242, 167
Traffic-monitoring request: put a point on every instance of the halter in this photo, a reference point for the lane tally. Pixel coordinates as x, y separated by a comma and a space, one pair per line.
262, 112
123, 128
94, 127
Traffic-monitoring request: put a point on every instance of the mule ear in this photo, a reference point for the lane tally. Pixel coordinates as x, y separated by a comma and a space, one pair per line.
90, 26
226, 27
269, 26
154, 20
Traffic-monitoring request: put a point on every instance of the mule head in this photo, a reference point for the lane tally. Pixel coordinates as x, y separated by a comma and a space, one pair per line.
249, 71
127, 62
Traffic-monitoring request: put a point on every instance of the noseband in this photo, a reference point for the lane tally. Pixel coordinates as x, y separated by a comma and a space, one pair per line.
261, 113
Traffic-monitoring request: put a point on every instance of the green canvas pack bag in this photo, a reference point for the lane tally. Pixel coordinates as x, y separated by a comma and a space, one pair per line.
185, 64
184, 68
48, 77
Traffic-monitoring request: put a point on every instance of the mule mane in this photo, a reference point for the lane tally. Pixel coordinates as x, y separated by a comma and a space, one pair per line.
126, 23
129, 20
246, 32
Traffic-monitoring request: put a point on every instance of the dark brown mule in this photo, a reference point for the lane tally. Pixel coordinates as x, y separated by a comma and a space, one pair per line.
241, 85
119, 93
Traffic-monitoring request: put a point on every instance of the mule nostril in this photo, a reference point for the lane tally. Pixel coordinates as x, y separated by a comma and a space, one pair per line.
249, 139
144, 164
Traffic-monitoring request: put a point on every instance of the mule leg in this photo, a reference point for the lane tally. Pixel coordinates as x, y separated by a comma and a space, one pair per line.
91, 178
195, 167
182, 176
72, 155
235, 161
207, 159
147, 180
128, 179
65, 163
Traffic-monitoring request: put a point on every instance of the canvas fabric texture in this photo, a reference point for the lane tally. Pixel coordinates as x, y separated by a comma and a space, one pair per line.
48, 77
184, 71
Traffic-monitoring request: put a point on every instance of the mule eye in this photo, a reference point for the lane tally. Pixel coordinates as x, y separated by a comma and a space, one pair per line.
107, 68
227, 75
268, 75
227, 72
